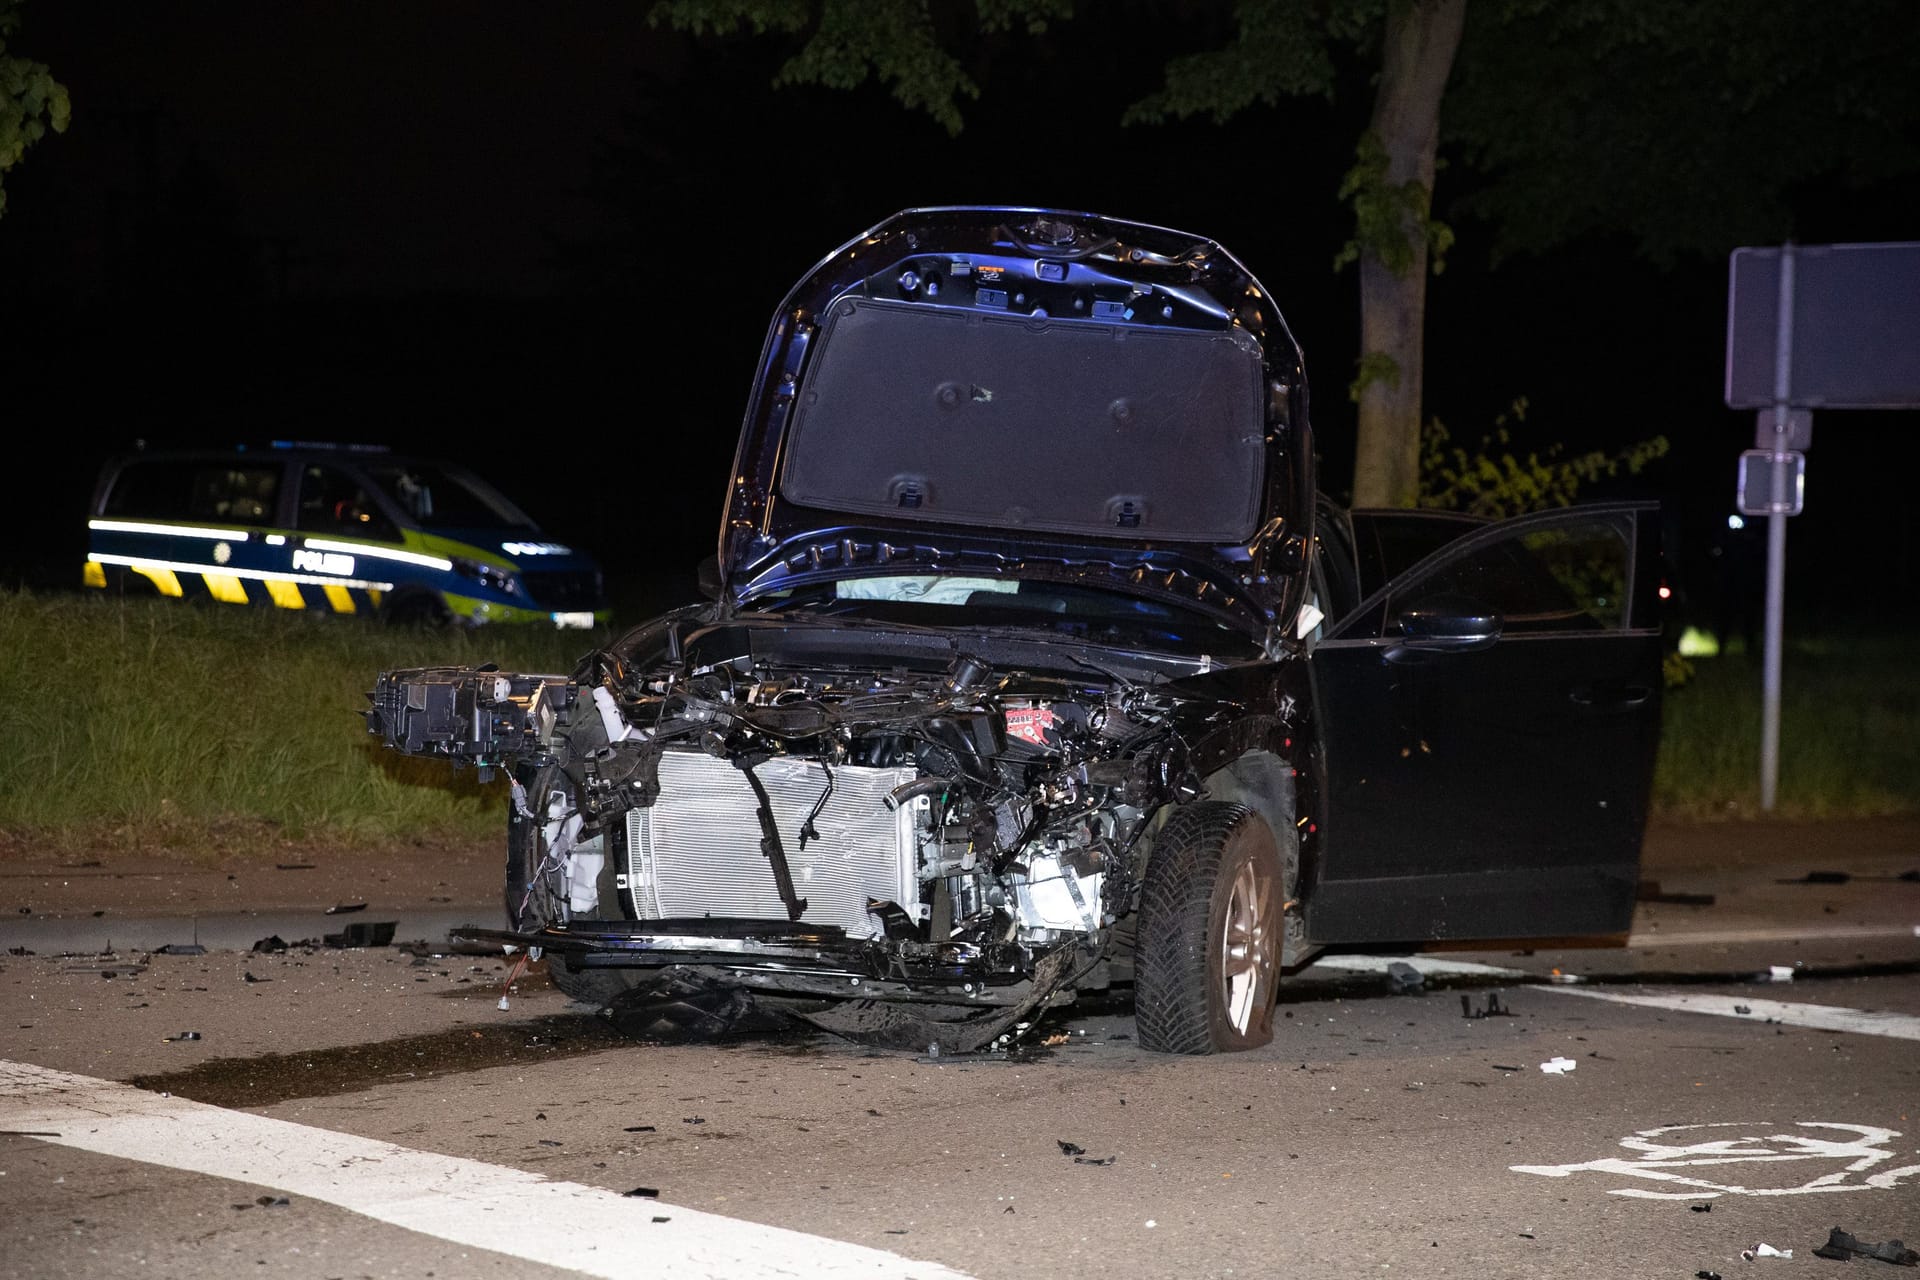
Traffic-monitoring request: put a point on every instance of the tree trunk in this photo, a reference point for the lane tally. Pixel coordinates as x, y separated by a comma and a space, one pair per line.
1417, 57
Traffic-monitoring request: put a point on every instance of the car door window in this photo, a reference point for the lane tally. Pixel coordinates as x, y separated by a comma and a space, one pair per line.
333, 501
1566, 576
185, 489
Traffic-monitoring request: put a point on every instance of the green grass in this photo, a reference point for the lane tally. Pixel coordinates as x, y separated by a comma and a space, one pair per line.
143, 722
214, 729
1849, 733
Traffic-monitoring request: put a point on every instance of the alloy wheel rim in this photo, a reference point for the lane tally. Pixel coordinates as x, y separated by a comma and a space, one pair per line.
1244, 945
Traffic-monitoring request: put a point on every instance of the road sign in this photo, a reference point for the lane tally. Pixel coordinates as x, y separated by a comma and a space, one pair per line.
1852, 325
1771, 484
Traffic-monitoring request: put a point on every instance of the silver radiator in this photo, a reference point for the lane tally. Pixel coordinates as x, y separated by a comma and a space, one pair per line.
696, 851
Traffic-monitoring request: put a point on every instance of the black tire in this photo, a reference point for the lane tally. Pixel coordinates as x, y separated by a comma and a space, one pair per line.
1207, 954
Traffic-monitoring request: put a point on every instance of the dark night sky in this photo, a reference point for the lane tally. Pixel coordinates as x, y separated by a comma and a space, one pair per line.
547, 238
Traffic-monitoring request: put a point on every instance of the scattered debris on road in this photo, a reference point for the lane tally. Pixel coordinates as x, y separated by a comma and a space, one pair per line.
1494, 1008
367, 933
270, 944
1070, 1148
1765, 1251
1558, 1066
1843, 1247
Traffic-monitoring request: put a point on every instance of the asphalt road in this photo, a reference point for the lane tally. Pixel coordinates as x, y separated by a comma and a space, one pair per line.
1745, 1072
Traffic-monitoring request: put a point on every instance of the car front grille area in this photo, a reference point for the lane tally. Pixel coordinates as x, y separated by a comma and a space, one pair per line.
696, 851
563, 590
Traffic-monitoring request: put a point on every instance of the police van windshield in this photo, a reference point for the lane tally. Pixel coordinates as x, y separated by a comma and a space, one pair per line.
439, 498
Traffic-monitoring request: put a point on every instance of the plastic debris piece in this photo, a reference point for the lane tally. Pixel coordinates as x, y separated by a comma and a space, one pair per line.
271, 1202
1741, 1008
1819, 877
1558, 1066
639, 1128
1098, 1160
1780, 973
1701, 1208
1070, 1148
180, 949
1494, 1008
1151, 1223
1842, 1246
1764, 1251
661, 1218
504, 1004
1706, 1275
271, 943
184, 1035
249, 976
367, 933
551, 1142
693, 1119
345, 908
293, 866
1403, 978
1501, 1066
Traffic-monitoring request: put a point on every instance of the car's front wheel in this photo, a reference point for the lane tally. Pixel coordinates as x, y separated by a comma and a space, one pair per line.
1207, 951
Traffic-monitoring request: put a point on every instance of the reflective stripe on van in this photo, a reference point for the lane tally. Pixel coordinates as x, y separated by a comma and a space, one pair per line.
244, 586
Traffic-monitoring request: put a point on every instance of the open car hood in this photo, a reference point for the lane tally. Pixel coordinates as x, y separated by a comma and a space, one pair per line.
1031, 393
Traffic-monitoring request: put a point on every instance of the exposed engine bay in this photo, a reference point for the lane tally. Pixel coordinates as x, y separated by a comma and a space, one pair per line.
749, 805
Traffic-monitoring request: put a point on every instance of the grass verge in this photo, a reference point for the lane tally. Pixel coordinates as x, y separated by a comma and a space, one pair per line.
209, 731
143, 724
1849, 733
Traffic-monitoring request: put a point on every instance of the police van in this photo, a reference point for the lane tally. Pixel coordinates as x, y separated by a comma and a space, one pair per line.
351, 529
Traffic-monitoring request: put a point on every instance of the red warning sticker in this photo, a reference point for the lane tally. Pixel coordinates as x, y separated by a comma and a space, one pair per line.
1030, 724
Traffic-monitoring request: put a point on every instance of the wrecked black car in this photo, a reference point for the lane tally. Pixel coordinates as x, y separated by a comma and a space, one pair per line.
1028, 669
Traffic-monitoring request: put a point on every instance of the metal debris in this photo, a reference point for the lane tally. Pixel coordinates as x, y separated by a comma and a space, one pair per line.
1842, 1247
1494, 1008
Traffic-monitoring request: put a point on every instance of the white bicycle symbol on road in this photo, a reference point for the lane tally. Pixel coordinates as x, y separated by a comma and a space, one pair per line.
1861, 1155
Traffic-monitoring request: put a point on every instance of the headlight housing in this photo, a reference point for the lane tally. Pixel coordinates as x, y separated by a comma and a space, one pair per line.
493, 577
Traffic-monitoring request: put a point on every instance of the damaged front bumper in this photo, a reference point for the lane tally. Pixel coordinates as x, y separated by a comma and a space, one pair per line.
713, 975
802, 960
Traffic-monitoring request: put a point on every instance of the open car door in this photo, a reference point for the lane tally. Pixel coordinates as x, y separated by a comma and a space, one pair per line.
1488, 721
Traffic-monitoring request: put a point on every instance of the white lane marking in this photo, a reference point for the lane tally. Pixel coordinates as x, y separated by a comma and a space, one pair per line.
482, 1206
1653, 938
1901, 1026
1781, 1155
1428, 965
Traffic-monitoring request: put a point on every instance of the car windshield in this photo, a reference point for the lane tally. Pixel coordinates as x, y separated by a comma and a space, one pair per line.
439, 498
1085, 613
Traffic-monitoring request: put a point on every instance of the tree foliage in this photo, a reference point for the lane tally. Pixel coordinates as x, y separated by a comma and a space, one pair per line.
843, 42
1689, 128
31, 100
1500, 476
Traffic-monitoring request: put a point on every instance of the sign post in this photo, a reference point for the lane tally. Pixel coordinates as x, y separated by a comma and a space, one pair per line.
1833, 326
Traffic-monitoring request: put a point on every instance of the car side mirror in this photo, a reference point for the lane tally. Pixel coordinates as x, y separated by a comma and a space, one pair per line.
708, 578
1446, 624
